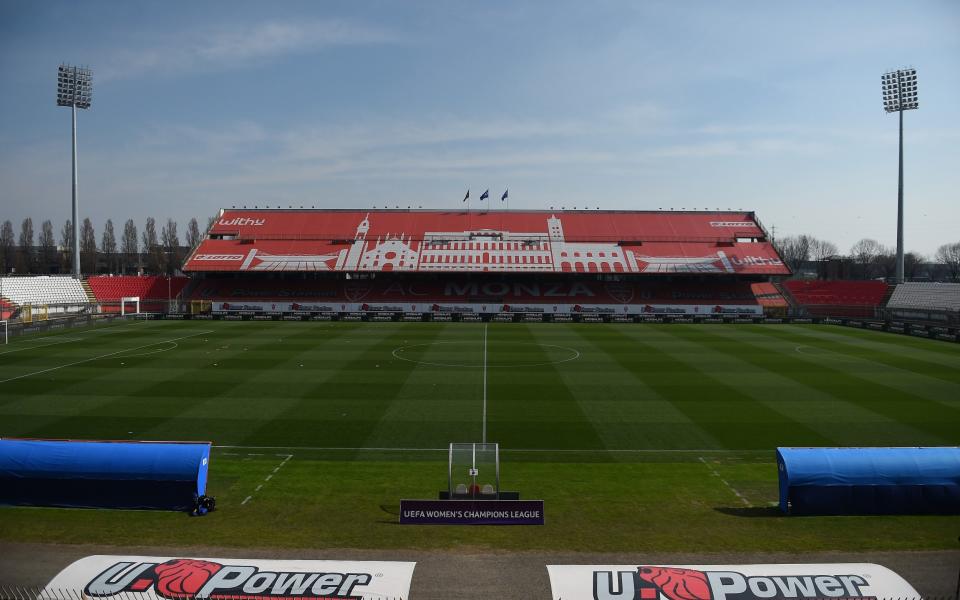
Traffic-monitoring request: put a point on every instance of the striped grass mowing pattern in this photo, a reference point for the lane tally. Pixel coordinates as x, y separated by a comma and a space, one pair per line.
549, 386
685, 417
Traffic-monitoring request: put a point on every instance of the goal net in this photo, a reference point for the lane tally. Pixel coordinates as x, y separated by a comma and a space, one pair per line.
130, 305
474, 470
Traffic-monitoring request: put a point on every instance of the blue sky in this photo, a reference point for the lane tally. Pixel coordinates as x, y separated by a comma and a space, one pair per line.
768, 106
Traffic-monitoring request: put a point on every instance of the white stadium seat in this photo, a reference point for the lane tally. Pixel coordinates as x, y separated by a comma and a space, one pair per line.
927, 296
43, 290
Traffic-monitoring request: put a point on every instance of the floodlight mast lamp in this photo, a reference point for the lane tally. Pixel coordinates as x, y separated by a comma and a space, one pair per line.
900, 94
74, 89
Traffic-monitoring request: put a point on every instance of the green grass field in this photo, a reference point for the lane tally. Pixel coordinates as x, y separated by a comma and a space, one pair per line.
638, 437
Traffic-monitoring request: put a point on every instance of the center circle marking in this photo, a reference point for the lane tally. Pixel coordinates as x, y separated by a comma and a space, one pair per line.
571, 354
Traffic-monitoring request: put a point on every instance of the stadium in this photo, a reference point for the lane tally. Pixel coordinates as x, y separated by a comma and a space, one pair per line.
259, 340
637, 371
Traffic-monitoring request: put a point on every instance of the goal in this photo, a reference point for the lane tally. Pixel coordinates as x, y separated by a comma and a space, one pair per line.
473, 471
135, 300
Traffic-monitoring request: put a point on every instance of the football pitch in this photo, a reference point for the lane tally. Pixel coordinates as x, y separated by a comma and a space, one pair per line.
637, 437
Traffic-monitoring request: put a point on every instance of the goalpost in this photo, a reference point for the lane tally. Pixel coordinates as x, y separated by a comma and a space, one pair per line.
6, 336
123, 305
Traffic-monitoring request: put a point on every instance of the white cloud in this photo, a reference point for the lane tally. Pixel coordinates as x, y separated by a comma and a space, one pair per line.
231, 47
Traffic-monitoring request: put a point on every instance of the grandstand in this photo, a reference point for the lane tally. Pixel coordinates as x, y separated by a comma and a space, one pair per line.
770, 298
427, 261
155, 292
515, 265
927, 296
53, 294
838, 298
931, 302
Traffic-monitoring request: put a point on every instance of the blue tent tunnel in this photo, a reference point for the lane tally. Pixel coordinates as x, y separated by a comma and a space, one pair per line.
96, 474
869, 481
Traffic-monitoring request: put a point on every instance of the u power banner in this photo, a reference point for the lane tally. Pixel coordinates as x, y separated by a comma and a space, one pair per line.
850, 581
175, 578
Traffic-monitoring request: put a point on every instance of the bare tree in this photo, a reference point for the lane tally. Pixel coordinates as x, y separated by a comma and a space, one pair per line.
887, 262
151, 247
88, 247
912, 264
794, 250
66, 246
108, 246
820, 252
948, 255
7, 246
129, 247
865, 254
171, 246
48, 248
25, 246
193, 234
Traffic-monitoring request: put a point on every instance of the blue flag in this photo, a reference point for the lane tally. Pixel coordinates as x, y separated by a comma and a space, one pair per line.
485, 195
504, 196
467, 196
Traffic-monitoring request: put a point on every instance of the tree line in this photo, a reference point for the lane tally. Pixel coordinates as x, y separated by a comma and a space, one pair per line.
867, 259
150, 252
136, 251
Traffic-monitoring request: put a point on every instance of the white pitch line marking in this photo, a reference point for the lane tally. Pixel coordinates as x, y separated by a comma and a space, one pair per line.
725, 482
36, 345
485, 383
87, 334
268, 477
86, 360
565, 450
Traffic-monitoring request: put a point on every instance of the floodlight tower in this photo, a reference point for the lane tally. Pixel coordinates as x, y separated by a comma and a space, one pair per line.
900, 94
75, 89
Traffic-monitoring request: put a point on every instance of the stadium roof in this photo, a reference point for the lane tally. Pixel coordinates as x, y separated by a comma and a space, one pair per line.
487, 241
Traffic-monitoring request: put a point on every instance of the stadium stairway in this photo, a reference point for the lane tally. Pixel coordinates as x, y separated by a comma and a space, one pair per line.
795, 307
89, 291
887, 296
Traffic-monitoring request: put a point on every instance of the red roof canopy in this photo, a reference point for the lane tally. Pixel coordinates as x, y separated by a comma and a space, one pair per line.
490, 241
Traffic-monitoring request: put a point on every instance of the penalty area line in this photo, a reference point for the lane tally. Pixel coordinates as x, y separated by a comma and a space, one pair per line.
725, 482
86, 360
268, 477
517, 450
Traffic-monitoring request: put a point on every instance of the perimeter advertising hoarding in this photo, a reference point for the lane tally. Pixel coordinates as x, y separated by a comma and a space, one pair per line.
174, 578
849, 581
470, 512
245, 307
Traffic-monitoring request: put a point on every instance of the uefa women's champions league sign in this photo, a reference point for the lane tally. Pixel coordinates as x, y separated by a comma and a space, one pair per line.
176, 578
849, 581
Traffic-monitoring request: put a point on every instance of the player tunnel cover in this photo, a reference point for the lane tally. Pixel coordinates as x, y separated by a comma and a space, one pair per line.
727, 582
171, 578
